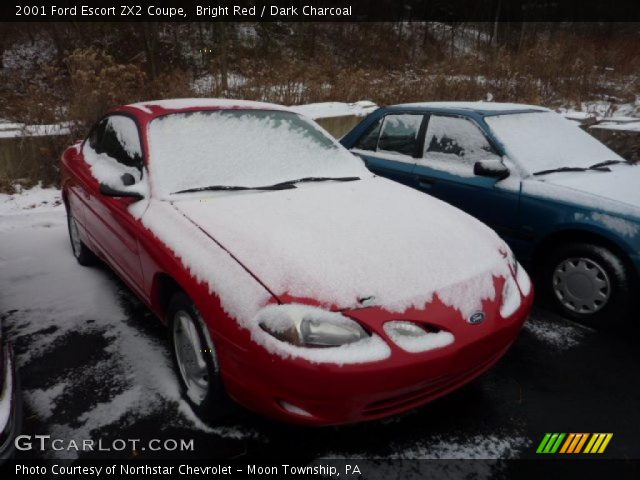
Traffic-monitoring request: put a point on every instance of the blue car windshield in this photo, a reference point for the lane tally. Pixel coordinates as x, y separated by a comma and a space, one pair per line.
541, 141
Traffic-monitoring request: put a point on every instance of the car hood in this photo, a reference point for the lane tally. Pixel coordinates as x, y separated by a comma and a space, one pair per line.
340, 243
616, 190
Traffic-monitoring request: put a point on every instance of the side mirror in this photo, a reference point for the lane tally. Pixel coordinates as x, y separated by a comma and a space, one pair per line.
127, 180
109, 191
491, 168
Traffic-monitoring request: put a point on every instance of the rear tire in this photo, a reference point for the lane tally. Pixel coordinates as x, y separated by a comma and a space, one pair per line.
587, 283
84, 256
196, 362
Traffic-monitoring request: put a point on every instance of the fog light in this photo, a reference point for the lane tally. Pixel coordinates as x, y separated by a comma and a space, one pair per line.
413, 338
294, 409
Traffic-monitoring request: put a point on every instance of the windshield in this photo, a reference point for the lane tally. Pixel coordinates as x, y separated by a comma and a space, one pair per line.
242, 148
541, 141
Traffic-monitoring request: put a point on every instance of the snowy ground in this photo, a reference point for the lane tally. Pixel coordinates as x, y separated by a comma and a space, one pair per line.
94, 363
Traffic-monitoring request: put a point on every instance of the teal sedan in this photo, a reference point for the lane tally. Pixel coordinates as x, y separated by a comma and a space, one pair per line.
568, 206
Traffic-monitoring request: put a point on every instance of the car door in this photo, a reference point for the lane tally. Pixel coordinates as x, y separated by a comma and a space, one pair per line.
109, 222
445, 169
391, 146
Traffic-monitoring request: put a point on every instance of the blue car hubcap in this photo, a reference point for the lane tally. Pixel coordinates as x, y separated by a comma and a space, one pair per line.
581, 285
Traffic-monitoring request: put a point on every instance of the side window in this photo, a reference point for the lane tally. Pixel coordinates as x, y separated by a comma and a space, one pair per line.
369, 140
117, 136
455, 140
400, 133
96, 134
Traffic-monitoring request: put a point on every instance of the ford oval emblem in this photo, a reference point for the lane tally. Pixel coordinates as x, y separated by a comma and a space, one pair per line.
476, 318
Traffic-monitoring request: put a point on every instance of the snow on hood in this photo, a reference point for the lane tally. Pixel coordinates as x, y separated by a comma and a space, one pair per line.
617, 190
341, 242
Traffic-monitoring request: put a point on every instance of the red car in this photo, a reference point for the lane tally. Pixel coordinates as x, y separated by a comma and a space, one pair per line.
292, 279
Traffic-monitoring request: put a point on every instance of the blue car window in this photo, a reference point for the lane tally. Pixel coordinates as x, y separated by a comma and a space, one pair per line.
400, 133
455, 142
369, 141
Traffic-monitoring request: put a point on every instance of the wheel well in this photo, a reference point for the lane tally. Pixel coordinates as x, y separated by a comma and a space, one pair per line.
164, 287
578, 236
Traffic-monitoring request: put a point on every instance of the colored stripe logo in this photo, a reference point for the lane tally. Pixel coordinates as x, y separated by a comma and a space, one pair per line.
574, 443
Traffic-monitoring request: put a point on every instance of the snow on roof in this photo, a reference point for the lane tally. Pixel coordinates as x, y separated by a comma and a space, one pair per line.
479, 106
189, 103
335, 109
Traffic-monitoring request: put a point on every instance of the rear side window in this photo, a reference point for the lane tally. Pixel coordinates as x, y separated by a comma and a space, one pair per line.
400, 133
455, 139
117, 136
369, 141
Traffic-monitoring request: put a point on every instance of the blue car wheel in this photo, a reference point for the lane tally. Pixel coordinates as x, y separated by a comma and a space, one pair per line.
587, 283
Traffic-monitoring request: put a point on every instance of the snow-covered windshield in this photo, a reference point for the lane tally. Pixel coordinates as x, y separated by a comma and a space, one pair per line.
244, 148
541, 141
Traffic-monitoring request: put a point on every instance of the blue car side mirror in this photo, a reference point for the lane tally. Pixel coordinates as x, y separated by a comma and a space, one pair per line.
491, 168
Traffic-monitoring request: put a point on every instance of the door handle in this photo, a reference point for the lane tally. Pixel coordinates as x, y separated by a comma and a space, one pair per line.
422, 183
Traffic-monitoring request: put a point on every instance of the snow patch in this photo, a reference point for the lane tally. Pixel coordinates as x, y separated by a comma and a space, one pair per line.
555, 332
620, 225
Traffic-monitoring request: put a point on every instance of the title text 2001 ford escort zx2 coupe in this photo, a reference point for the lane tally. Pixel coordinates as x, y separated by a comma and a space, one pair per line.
292, 279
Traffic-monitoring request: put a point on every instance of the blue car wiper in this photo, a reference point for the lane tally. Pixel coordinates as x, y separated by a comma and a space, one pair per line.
598, 167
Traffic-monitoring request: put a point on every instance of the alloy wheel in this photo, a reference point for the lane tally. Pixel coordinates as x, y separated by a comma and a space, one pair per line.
189, 353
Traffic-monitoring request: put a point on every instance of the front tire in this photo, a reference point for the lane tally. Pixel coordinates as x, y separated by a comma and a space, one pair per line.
84, 256
588, 283
196, 362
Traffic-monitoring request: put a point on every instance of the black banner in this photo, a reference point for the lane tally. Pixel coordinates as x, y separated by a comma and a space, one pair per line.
353, 469
321, 10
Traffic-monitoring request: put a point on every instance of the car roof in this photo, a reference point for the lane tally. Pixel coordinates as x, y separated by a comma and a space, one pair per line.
463, 108
155, 108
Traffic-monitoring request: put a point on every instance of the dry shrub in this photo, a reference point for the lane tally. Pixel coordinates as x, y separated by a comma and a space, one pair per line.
174, 84
97, 83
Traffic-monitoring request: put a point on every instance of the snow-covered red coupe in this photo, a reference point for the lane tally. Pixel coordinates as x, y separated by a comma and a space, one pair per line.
292, 279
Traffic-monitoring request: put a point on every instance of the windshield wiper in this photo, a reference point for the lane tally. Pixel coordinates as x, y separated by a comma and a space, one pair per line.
598, 167
606, 163
316, 179
289, 184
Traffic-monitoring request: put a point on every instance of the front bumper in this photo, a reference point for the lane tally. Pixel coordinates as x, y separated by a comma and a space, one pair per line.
302, 392
10, 404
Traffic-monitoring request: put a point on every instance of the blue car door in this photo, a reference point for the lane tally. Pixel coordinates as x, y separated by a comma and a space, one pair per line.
452, 145
391, 146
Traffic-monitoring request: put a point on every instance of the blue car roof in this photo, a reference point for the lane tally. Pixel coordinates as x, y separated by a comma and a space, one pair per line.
484, 109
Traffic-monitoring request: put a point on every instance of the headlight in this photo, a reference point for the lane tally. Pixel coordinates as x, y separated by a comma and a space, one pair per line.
414, 338
511, 260
524, 282
520, 274
306, 326
511, 298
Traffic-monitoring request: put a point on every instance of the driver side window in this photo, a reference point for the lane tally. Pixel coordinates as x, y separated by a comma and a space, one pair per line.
113, 149
117, 136
455, 144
